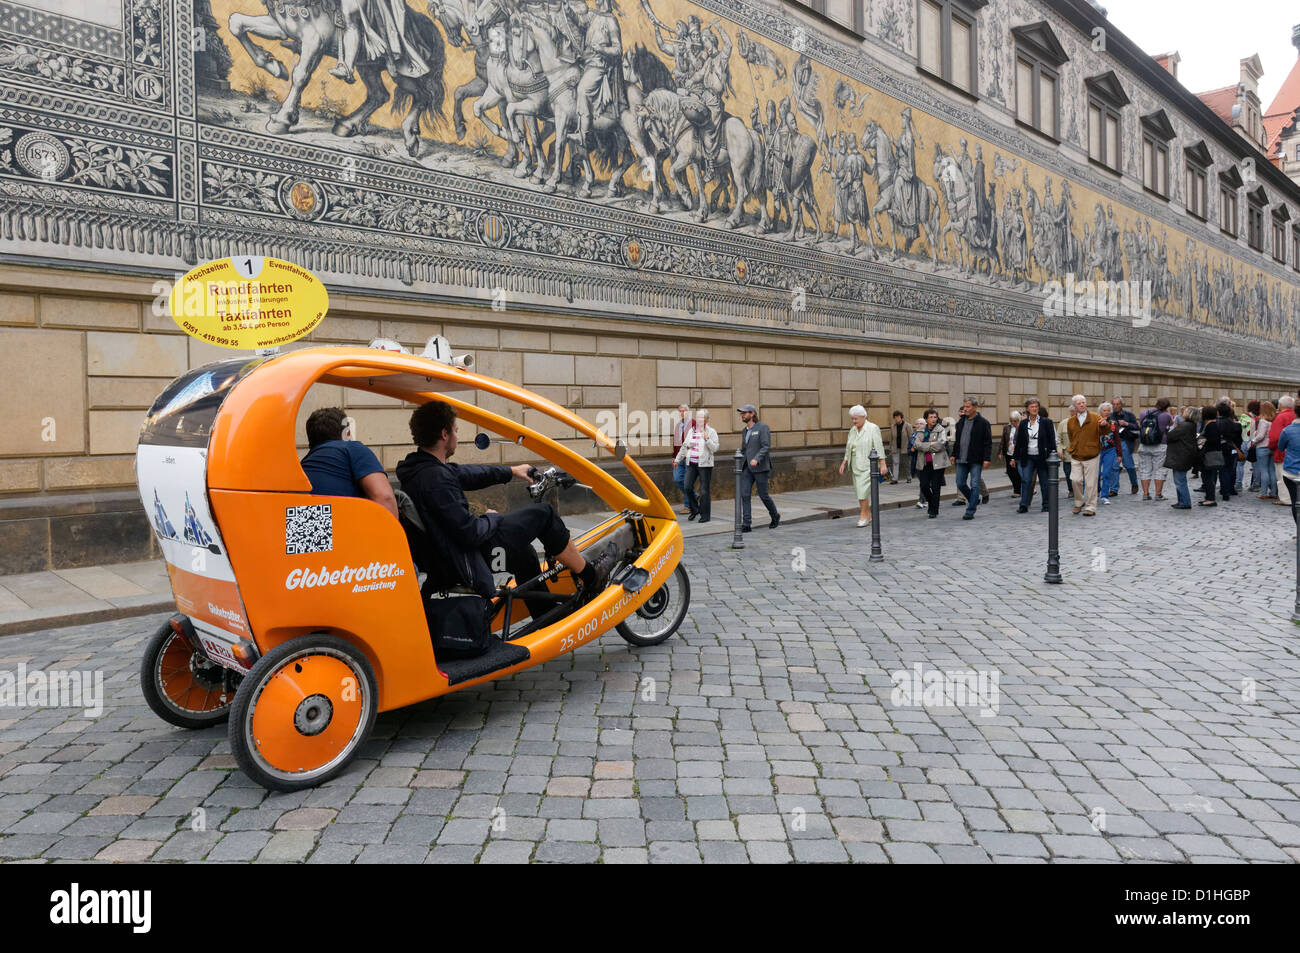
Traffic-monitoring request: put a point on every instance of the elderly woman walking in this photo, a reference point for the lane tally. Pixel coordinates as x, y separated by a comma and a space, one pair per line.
864, 436
697, 453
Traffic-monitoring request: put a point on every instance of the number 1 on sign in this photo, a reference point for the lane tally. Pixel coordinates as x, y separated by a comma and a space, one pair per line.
248, 266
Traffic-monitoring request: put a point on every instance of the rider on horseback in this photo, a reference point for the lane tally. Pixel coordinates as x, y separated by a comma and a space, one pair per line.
601, 87
381, 24
701, 94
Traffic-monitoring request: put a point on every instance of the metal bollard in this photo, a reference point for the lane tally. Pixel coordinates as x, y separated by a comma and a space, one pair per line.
876, 554
1053, 488
737, 540
1295, 513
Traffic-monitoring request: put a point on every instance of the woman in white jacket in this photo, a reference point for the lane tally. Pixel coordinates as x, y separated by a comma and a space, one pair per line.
697, 453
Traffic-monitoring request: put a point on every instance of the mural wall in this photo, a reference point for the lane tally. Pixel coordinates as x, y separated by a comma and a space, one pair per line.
713, 161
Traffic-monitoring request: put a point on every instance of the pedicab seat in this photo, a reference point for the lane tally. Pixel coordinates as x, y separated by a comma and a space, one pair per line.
437, 577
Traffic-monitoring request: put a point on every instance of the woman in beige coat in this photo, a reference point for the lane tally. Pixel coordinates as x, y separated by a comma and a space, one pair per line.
864, 436
932, 459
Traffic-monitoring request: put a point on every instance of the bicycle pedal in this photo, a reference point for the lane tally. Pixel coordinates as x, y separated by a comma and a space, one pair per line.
631, 577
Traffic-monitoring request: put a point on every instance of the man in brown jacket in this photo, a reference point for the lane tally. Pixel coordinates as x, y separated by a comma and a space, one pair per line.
1083, 432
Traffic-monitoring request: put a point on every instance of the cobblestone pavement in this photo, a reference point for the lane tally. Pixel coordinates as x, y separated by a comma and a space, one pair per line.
1145, 709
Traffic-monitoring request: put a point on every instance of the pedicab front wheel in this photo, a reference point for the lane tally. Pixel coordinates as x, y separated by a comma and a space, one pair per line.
660, 615
181, 685
302, 712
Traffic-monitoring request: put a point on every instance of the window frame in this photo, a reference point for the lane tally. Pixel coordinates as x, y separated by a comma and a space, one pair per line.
859, 25
1038, 69
1106, 96
1197, 162
1156, 133
1255, 221
1281, 216
1229, 187
966, 11
1295, 246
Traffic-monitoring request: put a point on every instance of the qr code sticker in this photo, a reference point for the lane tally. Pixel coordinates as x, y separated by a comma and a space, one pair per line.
308, 529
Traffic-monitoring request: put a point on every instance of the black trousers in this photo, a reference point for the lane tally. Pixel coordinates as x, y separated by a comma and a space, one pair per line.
748, 480
511, 545
931, 481
699, 502
1228, 474
1013, 471
1293, 487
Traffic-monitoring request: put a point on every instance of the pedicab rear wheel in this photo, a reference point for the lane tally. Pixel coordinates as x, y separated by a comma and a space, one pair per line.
181, 685
659, 616
302, 713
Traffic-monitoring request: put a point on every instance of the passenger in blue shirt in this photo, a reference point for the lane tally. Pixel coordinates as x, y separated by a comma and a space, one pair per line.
338, 467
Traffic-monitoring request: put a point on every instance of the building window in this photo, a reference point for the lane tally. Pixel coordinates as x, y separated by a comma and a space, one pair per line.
1196, 190
1281, 216
1229, 183
1255, 225
1156, 133
946, 40
1198, 161
1039, 57
1105, 100
1295, 247
849, 14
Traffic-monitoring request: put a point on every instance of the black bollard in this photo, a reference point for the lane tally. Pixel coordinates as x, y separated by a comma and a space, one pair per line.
1053, 488
737, 540
1295, 513
876, 554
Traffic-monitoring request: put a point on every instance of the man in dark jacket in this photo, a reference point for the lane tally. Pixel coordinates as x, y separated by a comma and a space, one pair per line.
972, 451
756, 442
1181, 455
465, 541
1035, 442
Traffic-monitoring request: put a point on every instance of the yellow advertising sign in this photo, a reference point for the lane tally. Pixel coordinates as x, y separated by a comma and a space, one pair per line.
247, 303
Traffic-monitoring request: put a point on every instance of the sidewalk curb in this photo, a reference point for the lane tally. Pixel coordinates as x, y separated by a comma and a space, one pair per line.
86, 616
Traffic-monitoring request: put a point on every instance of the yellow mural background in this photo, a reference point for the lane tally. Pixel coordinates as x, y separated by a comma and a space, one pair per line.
761, 84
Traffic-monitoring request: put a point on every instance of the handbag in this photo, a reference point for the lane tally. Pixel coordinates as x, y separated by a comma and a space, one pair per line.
1251, 456
1213, 459
458, 624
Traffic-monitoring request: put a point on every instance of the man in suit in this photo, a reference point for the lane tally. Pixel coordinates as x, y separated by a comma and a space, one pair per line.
1035, 442
756, 444
973, 450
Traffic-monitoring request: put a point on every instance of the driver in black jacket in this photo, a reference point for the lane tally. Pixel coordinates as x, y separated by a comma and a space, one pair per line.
437, 486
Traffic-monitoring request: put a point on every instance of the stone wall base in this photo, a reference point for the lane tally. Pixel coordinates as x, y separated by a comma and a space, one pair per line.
106, 527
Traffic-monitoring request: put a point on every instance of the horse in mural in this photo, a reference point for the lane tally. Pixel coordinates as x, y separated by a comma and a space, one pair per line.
741, 155
908, 215
975, 247
483, 32
415, 68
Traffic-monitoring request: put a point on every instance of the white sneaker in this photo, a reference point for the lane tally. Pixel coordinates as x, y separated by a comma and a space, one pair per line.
920, 506
862, 523
1105, 502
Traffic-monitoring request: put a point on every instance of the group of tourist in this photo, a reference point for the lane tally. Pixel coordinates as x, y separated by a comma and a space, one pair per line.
1232, 451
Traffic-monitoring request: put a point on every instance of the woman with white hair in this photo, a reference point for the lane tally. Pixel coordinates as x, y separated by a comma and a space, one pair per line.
864, 436
697, 453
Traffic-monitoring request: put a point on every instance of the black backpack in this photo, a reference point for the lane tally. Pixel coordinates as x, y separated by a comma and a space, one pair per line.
1150, 434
